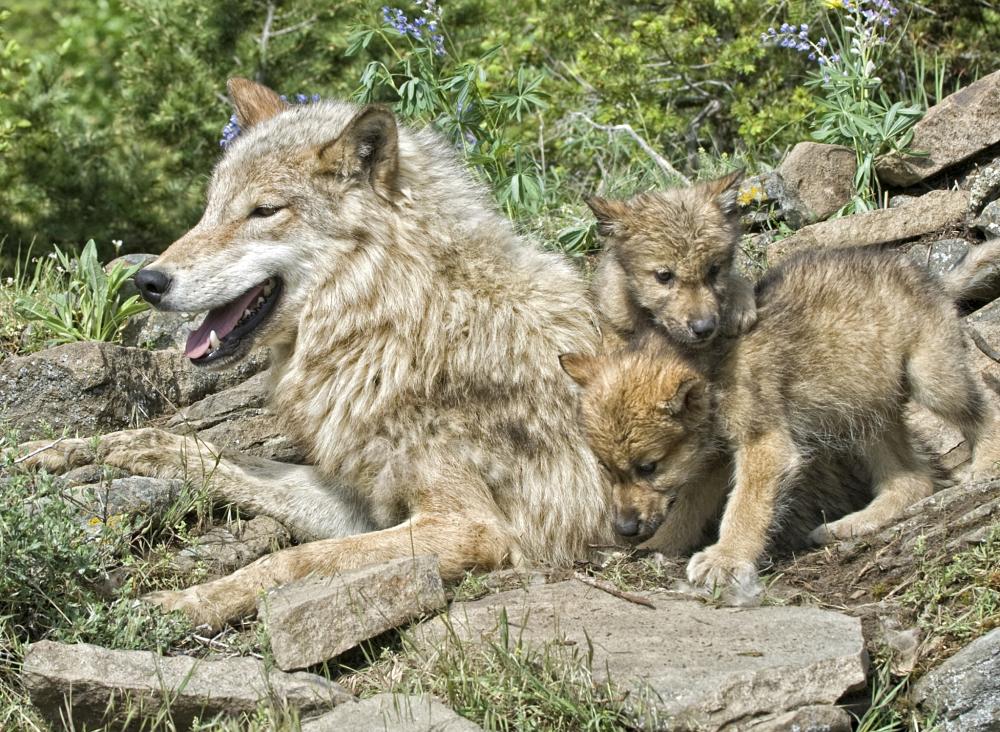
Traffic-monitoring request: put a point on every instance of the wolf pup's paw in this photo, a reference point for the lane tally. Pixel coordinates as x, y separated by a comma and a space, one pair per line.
741, 314
713, 567
845, 528
189, 601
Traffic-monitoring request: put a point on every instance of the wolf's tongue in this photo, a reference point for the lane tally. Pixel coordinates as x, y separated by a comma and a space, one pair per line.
222, 320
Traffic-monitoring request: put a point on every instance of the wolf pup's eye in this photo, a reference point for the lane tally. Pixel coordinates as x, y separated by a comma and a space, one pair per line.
714, 271
263, 212
645, 469
663, 276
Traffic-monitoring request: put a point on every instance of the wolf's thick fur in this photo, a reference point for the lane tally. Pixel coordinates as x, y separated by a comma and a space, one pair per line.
669, 266
844, 340
415, 352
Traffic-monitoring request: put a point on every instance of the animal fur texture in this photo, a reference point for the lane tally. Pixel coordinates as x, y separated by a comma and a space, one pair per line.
415, 342
669, 266
843, 341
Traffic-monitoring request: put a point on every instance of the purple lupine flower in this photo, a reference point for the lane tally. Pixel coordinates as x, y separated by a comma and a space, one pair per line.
427, 20
232, 129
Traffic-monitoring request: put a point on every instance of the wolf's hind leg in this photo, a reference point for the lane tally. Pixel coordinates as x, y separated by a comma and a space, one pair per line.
941, 379
901, 477
295, 495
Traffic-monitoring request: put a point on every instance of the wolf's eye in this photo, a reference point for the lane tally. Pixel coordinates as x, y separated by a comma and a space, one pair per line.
645, 469
714, 271
263, 212
663, 276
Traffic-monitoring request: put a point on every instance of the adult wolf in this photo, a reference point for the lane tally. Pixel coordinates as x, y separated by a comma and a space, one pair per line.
415, 342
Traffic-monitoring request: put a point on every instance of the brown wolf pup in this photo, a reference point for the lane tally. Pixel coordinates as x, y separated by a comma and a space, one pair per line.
414, 343
844, 340
669, 266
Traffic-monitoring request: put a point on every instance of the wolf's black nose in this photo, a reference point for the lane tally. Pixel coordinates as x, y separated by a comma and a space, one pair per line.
152, 284
703, 328
627, 523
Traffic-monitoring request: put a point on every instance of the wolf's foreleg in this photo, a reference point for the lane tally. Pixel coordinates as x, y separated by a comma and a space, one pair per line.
295, 495
761, 465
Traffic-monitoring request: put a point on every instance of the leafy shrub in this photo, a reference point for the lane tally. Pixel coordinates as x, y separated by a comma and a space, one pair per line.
74, 299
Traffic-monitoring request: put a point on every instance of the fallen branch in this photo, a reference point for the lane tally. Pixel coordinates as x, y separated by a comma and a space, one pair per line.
661, 162
612, 590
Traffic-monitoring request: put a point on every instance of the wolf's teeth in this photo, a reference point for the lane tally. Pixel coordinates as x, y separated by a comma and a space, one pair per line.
247, 313
267, 289
213, 340
260, 301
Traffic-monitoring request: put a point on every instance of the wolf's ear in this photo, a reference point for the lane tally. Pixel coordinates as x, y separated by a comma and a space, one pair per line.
253, 102
579, 366
609, 213
726, 190
689, 395
368, 147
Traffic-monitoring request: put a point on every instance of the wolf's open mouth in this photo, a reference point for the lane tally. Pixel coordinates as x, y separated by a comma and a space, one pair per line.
225, 326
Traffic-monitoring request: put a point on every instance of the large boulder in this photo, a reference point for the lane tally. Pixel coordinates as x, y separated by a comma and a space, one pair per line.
685, 664
963, 693
822, 176
957, 128
930, 213
89, 388
89, 679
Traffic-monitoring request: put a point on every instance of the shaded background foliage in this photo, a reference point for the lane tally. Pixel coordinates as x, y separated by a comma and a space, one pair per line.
111, 110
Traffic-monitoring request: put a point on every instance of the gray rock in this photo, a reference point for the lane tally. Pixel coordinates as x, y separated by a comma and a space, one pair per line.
132, 496
222, 550
806, 719
88, 388
939, 256
310, 622
239, 419
159, 330
964, 691
87, 678
988, 221
983, 185
396, 712
767, 197
685, 664
930, 213
822, 177
958, 127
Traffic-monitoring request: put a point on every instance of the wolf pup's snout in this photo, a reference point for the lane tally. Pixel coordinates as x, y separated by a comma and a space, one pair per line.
152, 284
627, 522
703, 328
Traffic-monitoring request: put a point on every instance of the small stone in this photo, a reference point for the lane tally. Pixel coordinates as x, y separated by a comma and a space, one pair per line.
88, 678
396, 712
311, 622
822, 177
988, 221
984, 185
767, 197
964, 691
222, 550
939, 256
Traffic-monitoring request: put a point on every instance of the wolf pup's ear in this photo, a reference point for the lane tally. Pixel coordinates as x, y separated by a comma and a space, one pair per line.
688, 396
368, 147
253, 102
726, 191
579, 366
609, 214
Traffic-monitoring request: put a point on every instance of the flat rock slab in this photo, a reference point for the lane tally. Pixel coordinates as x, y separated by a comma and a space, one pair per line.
88, 678
964, 691
87, 388
688, 665
822, 176
961, 125
927, 214
311, 622
396, 712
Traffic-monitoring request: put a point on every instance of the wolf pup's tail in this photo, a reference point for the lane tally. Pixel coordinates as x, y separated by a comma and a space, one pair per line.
974, 281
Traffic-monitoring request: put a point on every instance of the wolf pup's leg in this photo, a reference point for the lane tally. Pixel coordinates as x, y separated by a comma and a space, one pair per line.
740, 312
901, 476
762, 465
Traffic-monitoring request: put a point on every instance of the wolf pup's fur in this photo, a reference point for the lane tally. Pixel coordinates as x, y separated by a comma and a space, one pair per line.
844, 340
669, 266
415, 342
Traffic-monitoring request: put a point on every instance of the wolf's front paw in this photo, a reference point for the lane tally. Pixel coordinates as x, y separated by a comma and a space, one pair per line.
713, 567
190, 602
55, 456
740, 320
846, 528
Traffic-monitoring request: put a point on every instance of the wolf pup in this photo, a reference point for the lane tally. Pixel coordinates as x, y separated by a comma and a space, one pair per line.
414, 342
669, 265
844, 340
